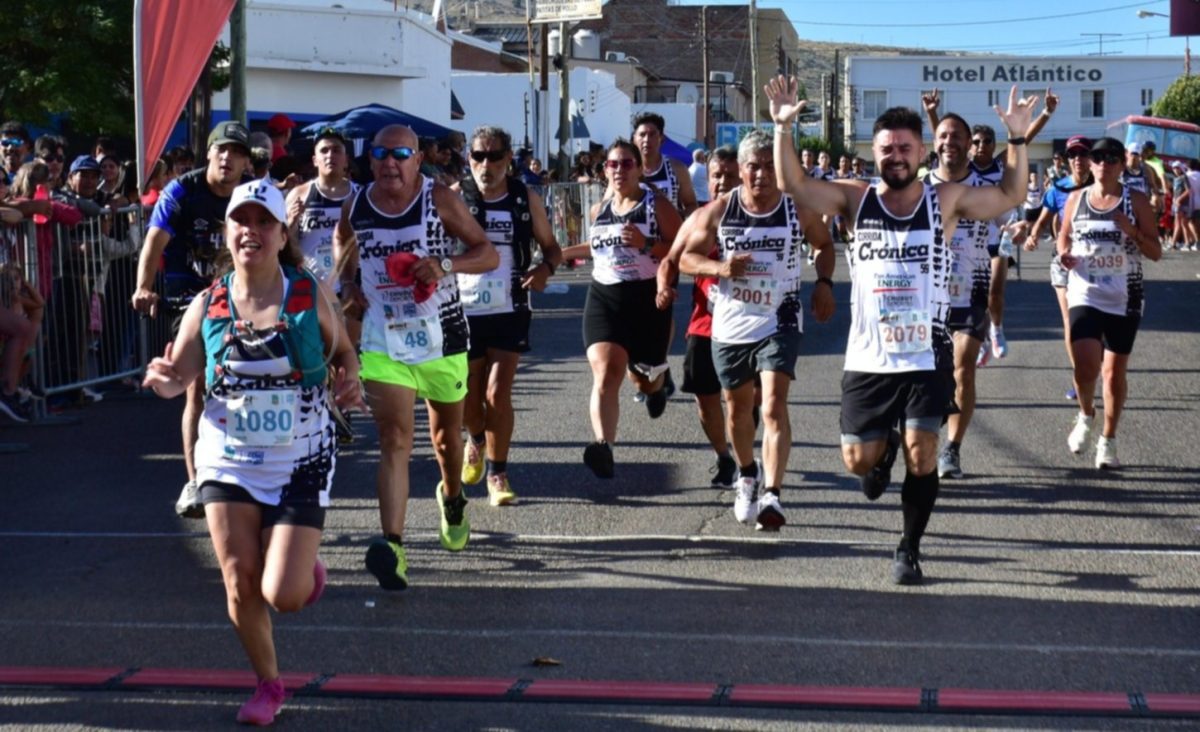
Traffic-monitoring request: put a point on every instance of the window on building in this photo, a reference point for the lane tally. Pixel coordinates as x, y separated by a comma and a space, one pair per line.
1091, 104
994, 97
874, 103
1147, 97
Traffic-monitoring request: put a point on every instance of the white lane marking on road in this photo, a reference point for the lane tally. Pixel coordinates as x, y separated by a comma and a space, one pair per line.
507, 538
652, 636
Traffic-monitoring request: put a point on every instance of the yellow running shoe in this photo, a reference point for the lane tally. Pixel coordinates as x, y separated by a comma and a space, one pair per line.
389, 563
472, 469
500, 493
455, 529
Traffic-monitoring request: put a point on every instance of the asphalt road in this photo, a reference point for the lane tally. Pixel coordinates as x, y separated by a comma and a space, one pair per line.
1042, 573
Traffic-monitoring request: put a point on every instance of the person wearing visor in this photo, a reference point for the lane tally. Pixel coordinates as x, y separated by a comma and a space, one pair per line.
497, 304
1107, 230
262, 340
185, 234
1079, 157
394, 249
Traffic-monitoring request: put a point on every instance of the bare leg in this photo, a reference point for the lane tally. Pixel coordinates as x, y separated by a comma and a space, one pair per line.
609, 363
996, 291
392, 407
712, 421
192, 409
501, 373
1088, 356
1116, 389
235, 529
740, 420
287, 578
777, 427
445, 428
966, 349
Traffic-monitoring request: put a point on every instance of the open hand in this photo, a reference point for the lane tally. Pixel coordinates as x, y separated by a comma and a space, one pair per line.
781, 92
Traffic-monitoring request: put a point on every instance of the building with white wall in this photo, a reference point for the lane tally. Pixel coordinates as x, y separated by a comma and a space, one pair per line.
1093, 91
310, 60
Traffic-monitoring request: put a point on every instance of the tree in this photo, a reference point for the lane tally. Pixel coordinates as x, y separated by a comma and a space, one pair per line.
72, 58
1181, 100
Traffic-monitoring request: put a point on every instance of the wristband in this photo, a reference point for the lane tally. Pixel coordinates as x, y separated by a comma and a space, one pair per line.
782, 130
825, 280
1016, 141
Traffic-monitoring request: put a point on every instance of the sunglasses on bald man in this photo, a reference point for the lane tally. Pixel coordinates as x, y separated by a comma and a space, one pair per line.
379, 152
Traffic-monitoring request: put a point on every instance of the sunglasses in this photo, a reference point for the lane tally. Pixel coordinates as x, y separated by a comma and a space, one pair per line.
53, 158
492, 156
12, 142
379, 152
983, 141
1078, 154
622, 164
1110, 157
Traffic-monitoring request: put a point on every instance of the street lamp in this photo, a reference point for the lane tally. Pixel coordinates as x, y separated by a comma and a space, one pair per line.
1187, 45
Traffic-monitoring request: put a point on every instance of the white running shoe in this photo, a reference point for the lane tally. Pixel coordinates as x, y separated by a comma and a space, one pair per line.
1106, 453
1080, 432
189, 504
985, 354
770, 513
746, 501
999, 342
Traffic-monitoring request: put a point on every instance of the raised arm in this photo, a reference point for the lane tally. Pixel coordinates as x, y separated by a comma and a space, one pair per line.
687, 194
987, 202
930, 102
824, 197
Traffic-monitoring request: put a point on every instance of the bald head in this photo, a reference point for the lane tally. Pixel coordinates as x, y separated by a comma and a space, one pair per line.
396, 136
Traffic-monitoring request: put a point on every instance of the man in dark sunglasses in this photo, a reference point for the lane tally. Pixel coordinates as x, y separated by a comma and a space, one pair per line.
395, 248
497, 304
14, 146
49, 150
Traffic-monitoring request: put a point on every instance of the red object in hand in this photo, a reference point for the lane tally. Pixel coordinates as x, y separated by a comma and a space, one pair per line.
41, 194
399, 270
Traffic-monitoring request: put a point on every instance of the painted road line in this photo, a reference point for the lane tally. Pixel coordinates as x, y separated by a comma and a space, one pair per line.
848, 698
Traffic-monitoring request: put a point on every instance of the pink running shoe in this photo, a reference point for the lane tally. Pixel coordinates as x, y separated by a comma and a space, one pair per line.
319, 575
264, 705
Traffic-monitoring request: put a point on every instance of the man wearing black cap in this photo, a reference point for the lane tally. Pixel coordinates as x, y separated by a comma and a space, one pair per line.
186, 231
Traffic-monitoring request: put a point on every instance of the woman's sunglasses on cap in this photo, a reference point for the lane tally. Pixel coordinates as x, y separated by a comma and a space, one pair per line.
379, 152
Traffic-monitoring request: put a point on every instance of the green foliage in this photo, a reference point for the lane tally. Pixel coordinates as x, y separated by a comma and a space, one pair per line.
835, 148
1181, 100
71, 57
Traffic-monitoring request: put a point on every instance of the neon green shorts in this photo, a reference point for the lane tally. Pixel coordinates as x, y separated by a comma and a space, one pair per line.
441, 380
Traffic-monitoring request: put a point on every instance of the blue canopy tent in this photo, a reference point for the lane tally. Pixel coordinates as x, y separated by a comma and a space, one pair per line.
672, 149
361, 123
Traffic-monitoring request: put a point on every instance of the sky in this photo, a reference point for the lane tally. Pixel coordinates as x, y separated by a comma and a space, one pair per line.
981, 26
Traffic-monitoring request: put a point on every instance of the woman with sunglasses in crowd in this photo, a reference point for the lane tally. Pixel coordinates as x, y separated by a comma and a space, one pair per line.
1079, 156
623, 329
265, 336
1107, 229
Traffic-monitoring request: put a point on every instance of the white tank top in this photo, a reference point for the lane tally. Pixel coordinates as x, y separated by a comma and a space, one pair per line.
1108, 276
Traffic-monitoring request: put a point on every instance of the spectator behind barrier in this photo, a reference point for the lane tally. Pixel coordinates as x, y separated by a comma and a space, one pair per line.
50, 149
14, 146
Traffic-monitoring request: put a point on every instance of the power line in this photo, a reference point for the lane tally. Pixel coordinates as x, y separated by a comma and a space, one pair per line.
1094, 11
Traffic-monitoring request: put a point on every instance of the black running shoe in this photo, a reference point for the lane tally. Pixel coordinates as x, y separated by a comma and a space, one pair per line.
11, 405
725, 472
656, 402
876, 481
598, 456
669, 384
389, 563
906, 569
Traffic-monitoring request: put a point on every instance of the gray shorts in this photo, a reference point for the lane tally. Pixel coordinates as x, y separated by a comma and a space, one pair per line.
1058, 273
737, 363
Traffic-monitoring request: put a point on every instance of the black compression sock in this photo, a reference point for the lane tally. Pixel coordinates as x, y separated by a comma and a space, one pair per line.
748, 471
496, 467
480, 438
394, 538
917, 498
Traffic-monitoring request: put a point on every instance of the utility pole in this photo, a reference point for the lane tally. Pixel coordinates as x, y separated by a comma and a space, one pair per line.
835, 125
704, 72
825, 122
564, 103
754, 62
1100, 38
237, 62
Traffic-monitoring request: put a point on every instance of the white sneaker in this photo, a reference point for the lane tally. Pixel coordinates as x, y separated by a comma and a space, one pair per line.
770, 513
985, 354
745, 503
189, 504
1080, 432
1106, 453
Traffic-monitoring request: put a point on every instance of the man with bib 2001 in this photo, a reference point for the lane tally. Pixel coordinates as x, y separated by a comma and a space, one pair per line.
1107, 229
396, 238
186, 233
899, 356
497, 304
757, 316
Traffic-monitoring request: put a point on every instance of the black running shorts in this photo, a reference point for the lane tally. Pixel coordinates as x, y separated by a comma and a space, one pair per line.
1116, 332
500, 332
972, 320
699, 374
872, 404
625, 314
291, 514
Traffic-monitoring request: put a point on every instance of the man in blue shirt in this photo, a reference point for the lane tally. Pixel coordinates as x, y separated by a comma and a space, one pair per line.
186, 233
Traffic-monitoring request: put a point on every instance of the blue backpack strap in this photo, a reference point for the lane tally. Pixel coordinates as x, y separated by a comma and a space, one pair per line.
302, 335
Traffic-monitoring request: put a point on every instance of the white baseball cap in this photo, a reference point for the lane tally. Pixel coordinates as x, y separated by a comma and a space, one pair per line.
1135, 148
262, 193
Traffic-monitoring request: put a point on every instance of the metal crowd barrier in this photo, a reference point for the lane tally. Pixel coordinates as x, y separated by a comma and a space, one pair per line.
86, 275
568, 206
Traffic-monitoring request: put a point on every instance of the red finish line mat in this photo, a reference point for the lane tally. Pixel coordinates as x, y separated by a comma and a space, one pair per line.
843, 698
